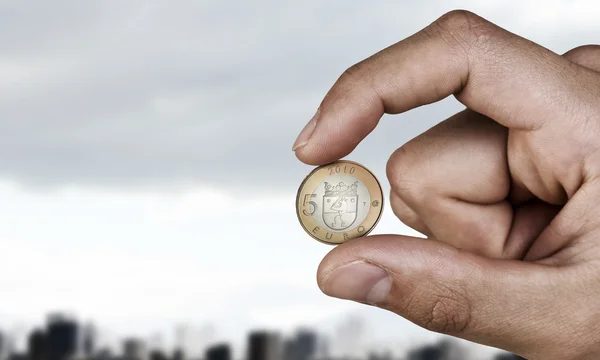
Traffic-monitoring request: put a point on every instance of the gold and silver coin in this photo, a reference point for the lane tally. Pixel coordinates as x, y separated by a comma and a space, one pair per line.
339, 201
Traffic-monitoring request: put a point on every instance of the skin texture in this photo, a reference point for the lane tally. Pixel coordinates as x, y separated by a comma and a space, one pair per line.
507, 191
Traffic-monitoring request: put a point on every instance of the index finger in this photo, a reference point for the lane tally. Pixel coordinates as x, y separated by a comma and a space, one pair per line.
516, 82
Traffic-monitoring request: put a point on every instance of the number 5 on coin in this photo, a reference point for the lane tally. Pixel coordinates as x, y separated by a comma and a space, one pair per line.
308, 202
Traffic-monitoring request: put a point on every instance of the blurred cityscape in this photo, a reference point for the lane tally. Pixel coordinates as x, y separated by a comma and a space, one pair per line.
64, 338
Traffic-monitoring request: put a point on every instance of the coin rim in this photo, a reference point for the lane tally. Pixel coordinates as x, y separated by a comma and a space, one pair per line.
326, 165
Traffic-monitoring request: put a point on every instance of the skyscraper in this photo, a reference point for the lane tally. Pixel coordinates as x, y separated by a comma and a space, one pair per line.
302, 347
178, 354
37, 345
88, 339
3, 346
264, 345
218, 352
289, 347
62, 336
134, 349
446, 349
157, 355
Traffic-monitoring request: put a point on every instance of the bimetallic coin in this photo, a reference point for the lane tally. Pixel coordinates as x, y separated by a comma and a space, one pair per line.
339, 201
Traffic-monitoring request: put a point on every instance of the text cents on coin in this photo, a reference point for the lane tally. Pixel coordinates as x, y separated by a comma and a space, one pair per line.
339, 201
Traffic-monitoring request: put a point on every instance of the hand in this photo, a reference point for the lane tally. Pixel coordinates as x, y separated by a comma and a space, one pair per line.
507, 191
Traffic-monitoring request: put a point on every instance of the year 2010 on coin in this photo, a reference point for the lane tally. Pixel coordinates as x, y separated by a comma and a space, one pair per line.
339, 201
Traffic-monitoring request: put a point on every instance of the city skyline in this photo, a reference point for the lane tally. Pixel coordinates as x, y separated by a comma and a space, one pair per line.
63, 337
354, 332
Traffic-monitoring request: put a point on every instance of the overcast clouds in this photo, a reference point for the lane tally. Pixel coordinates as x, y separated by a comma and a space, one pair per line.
106, 105
115, 93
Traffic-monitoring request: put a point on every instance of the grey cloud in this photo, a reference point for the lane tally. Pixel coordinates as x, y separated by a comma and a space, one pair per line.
127, 93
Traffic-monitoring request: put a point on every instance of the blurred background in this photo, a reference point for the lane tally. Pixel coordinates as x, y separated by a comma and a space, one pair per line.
147, 182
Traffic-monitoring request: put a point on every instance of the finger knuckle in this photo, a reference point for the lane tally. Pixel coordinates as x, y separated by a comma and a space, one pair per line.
447, 312
462, 28
448, 316
402, 172
353, 73
456, 19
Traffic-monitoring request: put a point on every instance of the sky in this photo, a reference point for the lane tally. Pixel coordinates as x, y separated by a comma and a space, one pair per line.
146, 171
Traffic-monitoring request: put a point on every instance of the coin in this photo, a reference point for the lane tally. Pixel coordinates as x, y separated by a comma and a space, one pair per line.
339, 201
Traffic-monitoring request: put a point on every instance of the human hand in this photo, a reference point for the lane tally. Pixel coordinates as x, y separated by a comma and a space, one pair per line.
507, 191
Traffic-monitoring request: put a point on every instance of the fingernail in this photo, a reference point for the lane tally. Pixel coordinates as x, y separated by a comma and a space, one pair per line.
306, 132
358, 281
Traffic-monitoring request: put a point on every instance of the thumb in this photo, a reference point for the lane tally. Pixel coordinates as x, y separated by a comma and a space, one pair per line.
488, 301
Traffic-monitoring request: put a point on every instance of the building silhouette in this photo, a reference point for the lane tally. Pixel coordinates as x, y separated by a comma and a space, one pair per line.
178, 354
3, 346
103, 354
61, 337
134, 349
88, 340
443, 350
288, 349
218, 352
264, 345
157, 355
380, 356
37, 345
303, 346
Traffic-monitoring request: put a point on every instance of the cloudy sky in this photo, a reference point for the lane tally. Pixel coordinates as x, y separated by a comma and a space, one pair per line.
146, 171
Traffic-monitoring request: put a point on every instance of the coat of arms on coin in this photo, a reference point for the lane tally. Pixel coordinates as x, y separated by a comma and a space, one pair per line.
339, 201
